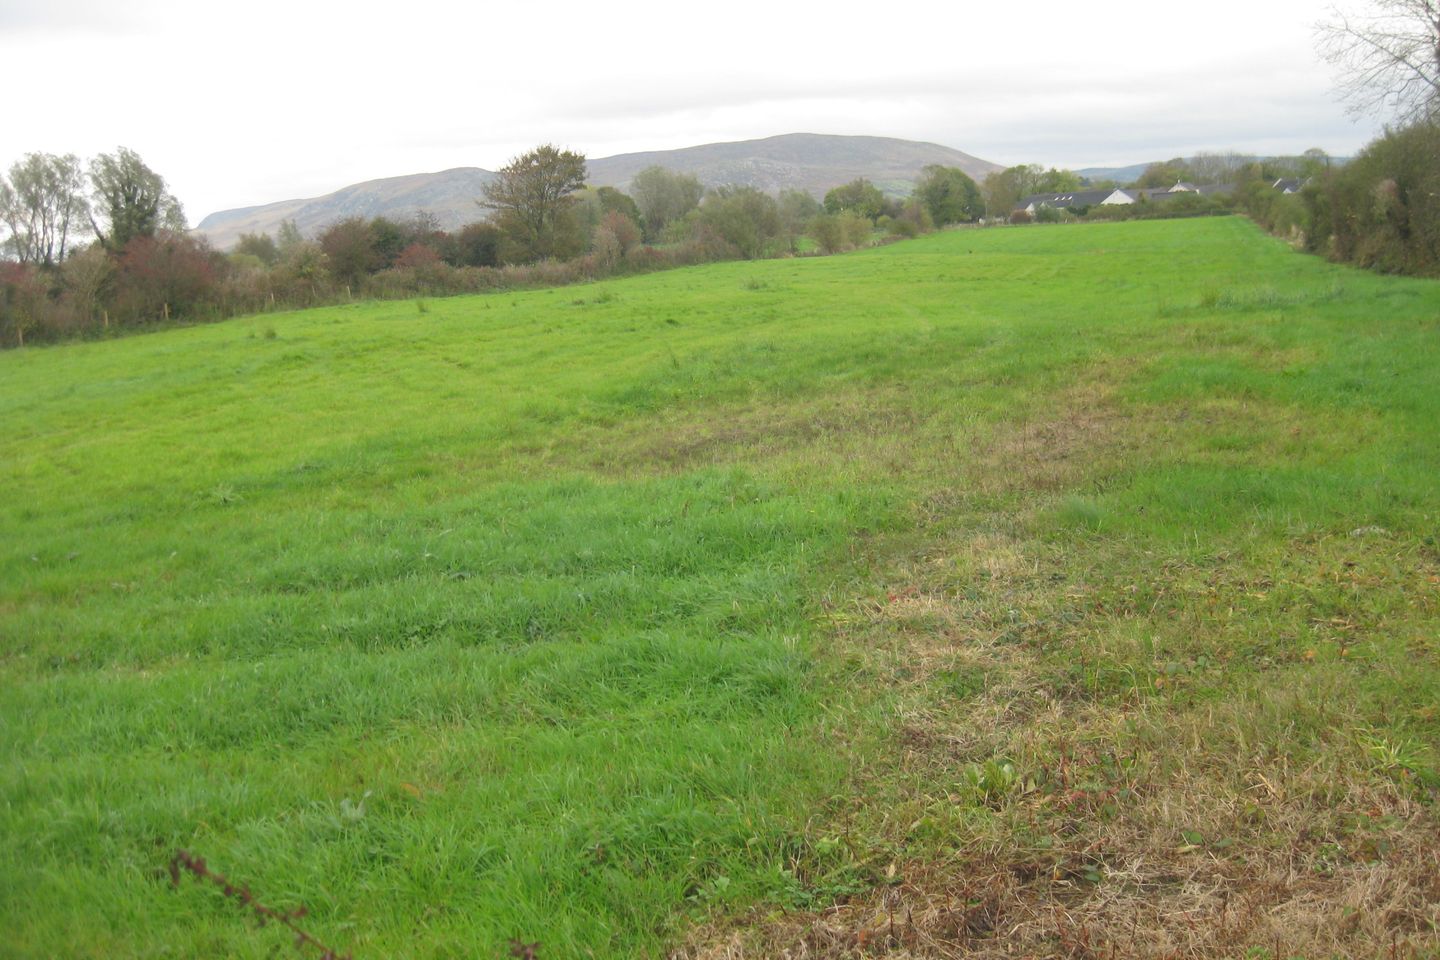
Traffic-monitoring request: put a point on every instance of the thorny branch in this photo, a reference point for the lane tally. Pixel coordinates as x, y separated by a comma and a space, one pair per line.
264, 914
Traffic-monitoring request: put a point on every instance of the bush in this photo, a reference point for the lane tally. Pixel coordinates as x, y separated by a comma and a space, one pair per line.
902, 228
167, 275
1113, 211
827, 233
476, 245
24, 302
1046, 214
856, 229
1382, 210
744, 217
351, 250
916, 215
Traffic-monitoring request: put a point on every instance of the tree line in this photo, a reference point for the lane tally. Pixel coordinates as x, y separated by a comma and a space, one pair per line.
103, 249
52, 285
1234, 172
1381, 210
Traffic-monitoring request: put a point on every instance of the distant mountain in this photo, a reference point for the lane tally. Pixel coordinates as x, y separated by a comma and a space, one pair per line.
796, 161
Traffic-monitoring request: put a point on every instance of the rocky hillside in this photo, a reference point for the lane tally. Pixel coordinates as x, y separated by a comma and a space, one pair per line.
803, 161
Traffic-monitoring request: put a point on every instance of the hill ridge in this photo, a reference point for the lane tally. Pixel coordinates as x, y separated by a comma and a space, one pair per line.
815, 162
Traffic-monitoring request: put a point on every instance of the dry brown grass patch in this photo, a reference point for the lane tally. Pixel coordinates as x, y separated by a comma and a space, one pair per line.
1298, 883
1149, 823
1084, 430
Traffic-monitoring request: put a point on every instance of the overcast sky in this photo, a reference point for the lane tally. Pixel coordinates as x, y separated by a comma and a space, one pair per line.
238, 104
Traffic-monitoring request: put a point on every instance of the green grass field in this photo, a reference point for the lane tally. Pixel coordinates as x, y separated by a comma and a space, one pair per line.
670, 613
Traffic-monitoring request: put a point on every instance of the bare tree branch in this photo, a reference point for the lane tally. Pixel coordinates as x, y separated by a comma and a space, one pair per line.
1387, 57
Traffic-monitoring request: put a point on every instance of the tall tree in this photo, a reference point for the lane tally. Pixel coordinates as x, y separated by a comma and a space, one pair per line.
797, 208
532, 197
1004, 189
261, 246
949, 195
593, 204
1053, 180
1222, 168
1165, 174
663, 197
1313, 162
859, 196
130, 199
611, 200
288, 238
1387, 56
86, 275
42, 204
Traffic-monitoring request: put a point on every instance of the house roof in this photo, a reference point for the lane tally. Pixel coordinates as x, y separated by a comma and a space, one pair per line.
1074, 198
1090, 198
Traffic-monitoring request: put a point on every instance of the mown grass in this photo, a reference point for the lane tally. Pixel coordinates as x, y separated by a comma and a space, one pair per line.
572, 616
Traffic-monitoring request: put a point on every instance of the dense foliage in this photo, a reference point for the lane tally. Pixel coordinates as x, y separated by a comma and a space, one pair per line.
1382, 210
1003, 190
1378, 211
533, 200
949, 195
546, 228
